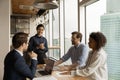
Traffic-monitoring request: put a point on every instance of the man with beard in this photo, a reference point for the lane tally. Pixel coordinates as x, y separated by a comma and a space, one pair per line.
78, 53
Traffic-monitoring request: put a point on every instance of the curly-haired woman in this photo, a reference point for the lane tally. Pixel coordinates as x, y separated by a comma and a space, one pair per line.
96, 66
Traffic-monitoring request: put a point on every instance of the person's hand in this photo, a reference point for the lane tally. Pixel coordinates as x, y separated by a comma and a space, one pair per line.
64, 68
71, 67
33, 54
41, 46
56, 63
65, 73
41, 66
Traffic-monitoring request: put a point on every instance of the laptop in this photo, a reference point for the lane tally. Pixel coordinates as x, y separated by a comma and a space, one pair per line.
48, 68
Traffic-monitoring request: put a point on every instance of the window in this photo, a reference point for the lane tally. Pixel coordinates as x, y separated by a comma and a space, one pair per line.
53, 34
62, 22
110, 26
93, 15
97, 19
90, 17
71, 20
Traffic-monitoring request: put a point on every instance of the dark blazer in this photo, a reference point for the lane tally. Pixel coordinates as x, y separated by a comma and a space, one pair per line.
15, 67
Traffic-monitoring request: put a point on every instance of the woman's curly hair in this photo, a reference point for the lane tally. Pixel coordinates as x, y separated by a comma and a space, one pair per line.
99, 38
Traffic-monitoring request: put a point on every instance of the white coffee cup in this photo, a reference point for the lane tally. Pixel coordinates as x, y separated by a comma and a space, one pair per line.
73, 73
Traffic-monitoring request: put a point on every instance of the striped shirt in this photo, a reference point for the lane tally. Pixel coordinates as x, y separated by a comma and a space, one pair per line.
77, 54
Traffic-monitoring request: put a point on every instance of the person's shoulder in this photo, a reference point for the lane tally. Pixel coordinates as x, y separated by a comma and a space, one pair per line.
16, 54
102, 51
72, 47
9, 54
83, 45
44, 38
13, 54
33, 37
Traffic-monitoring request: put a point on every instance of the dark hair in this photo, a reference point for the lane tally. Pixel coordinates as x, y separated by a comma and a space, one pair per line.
99, 38
38, 26
19, 38
78, 35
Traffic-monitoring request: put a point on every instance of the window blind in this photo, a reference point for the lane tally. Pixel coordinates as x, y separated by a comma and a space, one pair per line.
110, 26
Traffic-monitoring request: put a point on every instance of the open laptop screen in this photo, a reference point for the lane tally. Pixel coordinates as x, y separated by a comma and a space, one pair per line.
49, 65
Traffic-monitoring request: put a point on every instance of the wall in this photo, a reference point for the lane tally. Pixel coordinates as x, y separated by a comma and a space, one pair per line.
34, 21
4, 32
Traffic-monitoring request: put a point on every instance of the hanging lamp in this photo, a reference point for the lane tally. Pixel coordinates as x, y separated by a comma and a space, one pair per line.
46, 4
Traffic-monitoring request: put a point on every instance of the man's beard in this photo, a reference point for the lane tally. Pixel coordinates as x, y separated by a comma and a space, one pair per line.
73, 43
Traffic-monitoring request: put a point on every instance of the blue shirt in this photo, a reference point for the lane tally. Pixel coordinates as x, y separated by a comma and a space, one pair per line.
77, 54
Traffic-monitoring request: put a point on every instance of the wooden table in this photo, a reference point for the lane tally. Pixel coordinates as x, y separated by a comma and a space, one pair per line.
67, 77
59, 76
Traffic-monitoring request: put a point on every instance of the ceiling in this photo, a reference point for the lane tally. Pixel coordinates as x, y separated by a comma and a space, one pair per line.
25, 7
22, 7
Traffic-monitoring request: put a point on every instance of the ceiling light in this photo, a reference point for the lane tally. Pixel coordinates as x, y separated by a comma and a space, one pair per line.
46, 4
26, 7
